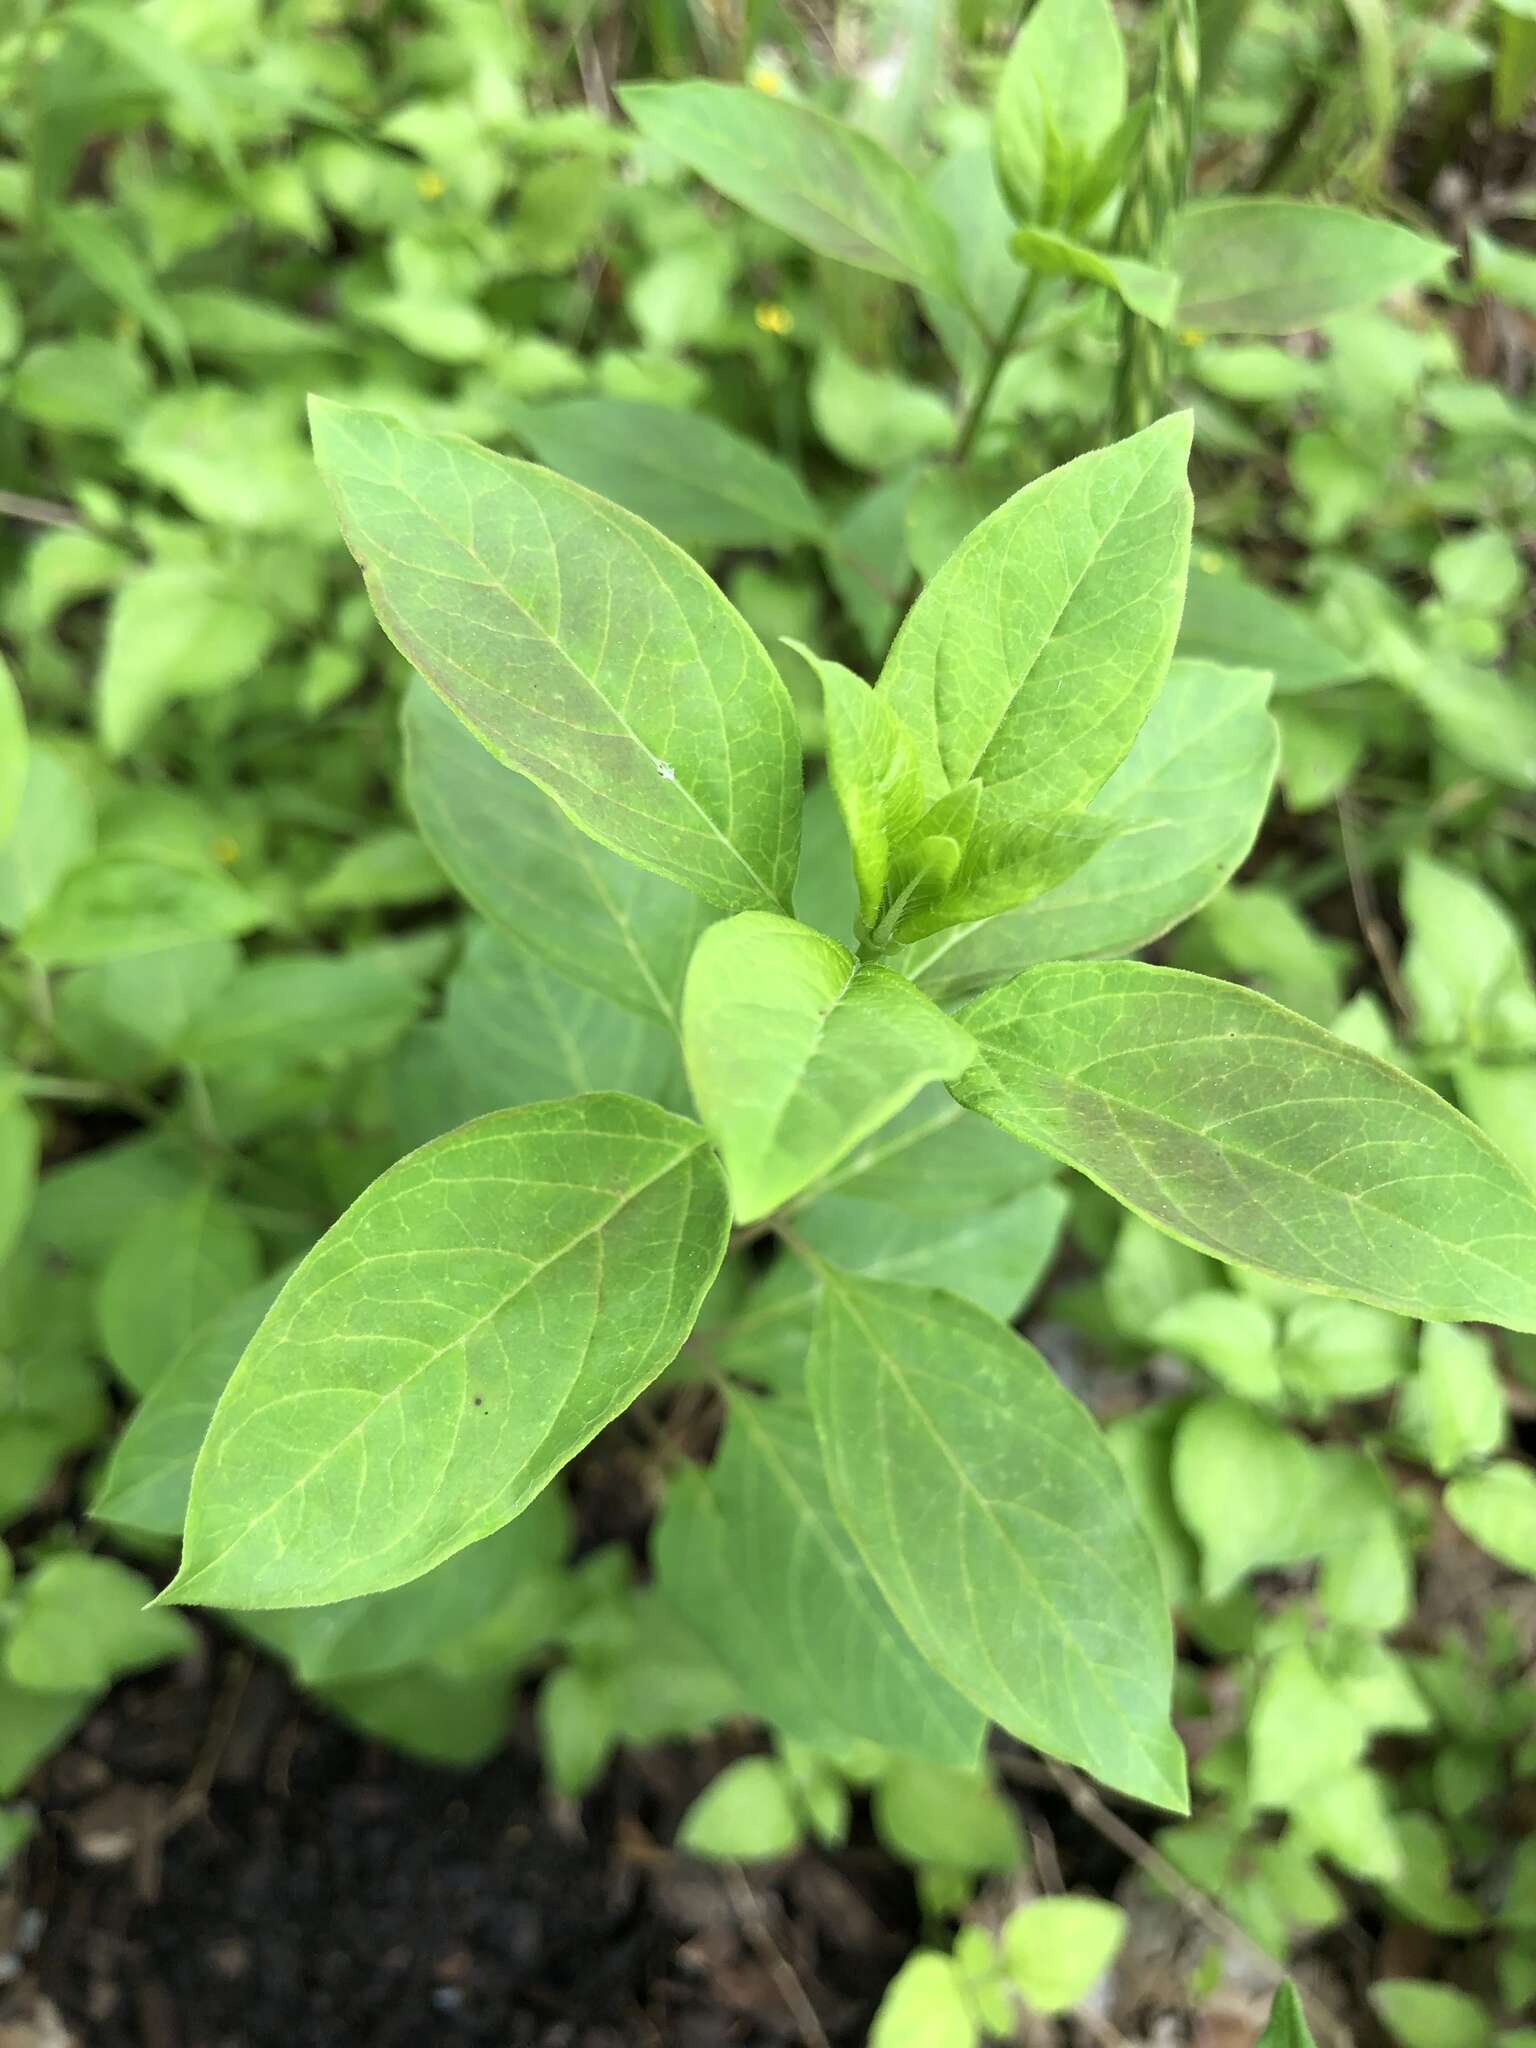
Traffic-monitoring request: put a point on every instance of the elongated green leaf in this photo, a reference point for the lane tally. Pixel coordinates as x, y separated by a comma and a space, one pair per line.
54, 833
178, 1263
832, 187
994, 1517
795, 1052
703, 484
474, 1319
123, 902
597, 920
1229, 620
1252, 1133
1142, 286
91, 237
1266, 266
1060, 98
872, 766
582, 648
1027, 665
753, 1557
1182, 810
1287, 2026
20, 1147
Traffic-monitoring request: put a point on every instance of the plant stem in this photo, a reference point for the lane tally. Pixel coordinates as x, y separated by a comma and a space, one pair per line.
1002, 348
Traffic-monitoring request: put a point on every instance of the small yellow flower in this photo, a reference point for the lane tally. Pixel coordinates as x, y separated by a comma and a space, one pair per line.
774, 318
1208, 560
225, 850
430, 185
1191, 336
761, 79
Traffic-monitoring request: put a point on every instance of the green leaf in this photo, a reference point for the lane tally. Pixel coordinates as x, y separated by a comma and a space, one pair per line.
1142, 287
1269, 266
745, 1815
795, 1052
391, 868
126, 1018
1229, 620
1247, 1488
1060, 99
1465, 965
311, 1009
20, 1149
1250, 1133
830, 186
502, 1293
700, 482
1182, 811
925, 2006
83, 1622
125, 902
1231, 1336
13, 753
1287, 2026
872, 766
582, 648
91, 237
54, 833
1027, 1580
146, 48
875, 419
149, 1472
753, 1557
1497, 1509
620, 930
934, 1159
1302, 1729
32, 1726
1427, 2015
177, 1265
1452, 1410
957, 1820
1027, 665
1057, 1949
448, 1720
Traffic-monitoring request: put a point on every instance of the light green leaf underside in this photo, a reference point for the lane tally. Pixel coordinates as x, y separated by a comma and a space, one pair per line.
1267, 266
1254, 1134
1141, 286
1183, 809
994, 1517
474, 1319
582, 647
795, 1053
830, 186
753, 1557
700, 482
1037, 649
595, 918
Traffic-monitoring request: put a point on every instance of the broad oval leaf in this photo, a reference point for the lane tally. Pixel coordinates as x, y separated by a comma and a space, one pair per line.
599, 921
753, 1557
830, 186
473, 1319
1033, 655
703, 484
582, 647
1254, 1134
795, 1052
1267, 266
1183, 809
995, 1519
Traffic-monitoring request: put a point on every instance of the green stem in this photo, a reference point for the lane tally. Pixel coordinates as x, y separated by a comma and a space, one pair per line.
1002, 348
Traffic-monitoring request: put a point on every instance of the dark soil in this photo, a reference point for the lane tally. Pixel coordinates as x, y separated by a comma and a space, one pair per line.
221, 1866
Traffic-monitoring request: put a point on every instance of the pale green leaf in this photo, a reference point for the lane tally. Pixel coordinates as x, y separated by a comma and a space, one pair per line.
1182, 810
457, 1722
1140, 286
390, 868
796, 1053
124, 902
1253, 1134
54, 833
32, 1726
582, 647
745, 1815
1231, 621
177, 1265
90, 235
1501, 1100
1027, 665
872, 767
925, 2006
20, 1148
995, 1520
13, 752
310, 1009
1465, 966
1287, 2026
752, 1555
1302, 1729
700, 482
175, 630
125, 1018
83, 1622
935, 1158
1497, 1509
955, 1820
1268, 266
141, 43
874, 419
1057, 1949
1452, 1410
620, 930
1247, 1489
474, 1319
1429, 2015
1060, 99
830, 186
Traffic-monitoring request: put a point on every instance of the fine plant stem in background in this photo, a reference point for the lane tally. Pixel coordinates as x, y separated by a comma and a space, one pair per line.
1002, 348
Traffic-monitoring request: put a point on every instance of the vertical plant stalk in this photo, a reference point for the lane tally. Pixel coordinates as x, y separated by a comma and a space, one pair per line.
1156, 191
